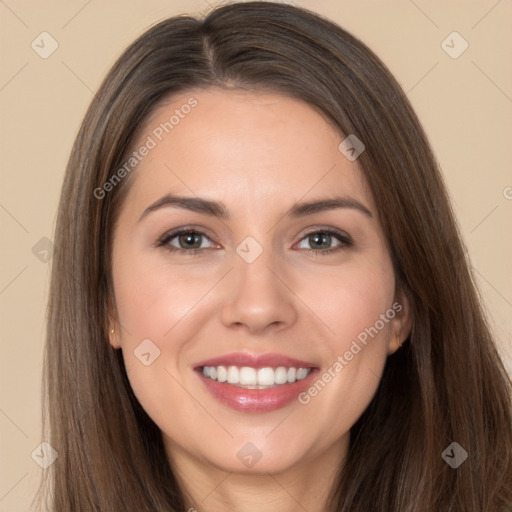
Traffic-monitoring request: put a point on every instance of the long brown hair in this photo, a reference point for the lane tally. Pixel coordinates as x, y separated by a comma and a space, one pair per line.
447, 383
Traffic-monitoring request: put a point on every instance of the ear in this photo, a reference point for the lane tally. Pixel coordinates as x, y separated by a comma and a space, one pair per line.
114, 336
401, 323
113, 326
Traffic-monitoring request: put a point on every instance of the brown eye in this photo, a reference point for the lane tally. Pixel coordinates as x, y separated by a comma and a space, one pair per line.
321, 241
187, 241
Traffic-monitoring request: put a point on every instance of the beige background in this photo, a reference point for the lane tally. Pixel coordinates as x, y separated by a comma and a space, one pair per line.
465, 105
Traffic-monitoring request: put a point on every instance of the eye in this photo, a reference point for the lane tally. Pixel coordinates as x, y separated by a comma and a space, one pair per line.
321, 241
188, 240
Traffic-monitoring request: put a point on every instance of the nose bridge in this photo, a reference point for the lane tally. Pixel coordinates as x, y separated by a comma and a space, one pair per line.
253, 266
258, 297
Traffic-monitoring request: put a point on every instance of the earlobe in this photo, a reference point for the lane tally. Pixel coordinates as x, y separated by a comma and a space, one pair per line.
113, 338
401, 324
114, 333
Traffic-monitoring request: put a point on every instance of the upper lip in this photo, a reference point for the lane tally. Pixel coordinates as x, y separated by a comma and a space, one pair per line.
271, 360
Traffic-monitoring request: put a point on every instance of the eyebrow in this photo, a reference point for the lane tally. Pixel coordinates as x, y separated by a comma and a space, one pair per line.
219, 210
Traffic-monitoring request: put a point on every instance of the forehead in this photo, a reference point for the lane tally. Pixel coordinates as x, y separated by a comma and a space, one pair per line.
248, 148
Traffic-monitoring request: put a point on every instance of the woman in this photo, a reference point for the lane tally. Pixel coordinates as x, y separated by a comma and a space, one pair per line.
260, 299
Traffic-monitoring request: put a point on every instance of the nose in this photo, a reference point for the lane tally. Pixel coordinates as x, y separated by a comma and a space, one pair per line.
259, 297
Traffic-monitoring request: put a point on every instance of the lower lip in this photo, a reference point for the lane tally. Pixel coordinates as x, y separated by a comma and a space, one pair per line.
256, 400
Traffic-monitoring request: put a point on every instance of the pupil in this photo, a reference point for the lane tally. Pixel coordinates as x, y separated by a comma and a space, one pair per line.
189, 238
320, 236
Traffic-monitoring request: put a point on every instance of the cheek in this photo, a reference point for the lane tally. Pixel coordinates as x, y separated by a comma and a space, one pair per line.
358, 309
151, 299
153, 313
352, 300
157, 308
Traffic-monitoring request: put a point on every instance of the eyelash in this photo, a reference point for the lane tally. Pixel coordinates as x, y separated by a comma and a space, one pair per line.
342, 237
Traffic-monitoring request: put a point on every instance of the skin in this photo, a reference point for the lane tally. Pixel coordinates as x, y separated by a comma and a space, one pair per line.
258, 153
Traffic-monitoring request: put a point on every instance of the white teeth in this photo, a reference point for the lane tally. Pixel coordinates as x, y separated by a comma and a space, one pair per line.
233, 375
222, 374
281, 375
266, 377
255, 378
302, 373
247, 376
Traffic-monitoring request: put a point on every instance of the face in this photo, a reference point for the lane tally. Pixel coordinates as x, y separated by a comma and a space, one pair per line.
254, 328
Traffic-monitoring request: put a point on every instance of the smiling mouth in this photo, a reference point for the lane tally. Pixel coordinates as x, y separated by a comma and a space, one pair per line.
255, 383
248, 377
